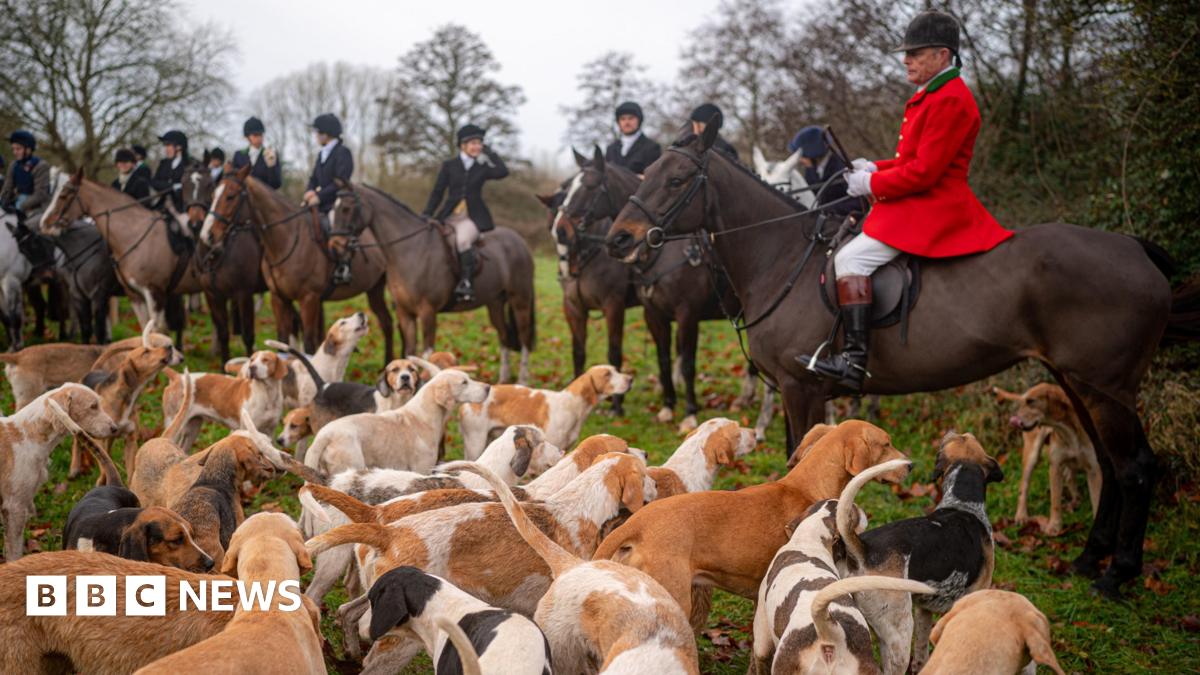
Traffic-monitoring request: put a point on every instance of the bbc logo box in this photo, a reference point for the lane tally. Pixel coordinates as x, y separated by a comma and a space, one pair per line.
100, 595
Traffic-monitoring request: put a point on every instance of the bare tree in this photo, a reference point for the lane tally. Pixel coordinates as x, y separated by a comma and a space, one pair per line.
733, 61
289, 103
603, 83
441, 84
90, 75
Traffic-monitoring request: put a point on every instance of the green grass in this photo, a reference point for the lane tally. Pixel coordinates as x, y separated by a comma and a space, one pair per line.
1155, 631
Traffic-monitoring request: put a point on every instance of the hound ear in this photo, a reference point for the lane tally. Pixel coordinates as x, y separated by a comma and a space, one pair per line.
1003, 395
815, 434
302, 558
229, 563
994, 473
939, 467
598, 159
580, 160
633, 495
389, 608
135, 541
383, 386
280, 369
522, 451
709, 135
234, 366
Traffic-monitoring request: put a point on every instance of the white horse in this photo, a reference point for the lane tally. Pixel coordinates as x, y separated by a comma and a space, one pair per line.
14, 272
784, 176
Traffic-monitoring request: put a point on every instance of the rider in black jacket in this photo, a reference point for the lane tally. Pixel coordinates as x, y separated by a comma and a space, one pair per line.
129, 181
334, 162
708, 113
264, 161
168, 177
633, 149
463, 209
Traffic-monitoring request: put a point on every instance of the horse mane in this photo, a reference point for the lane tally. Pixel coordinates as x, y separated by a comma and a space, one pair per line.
690, 138
405, 207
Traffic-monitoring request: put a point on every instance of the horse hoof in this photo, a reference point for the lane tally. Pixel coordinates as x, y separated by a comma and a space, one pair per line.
665, 415
760, 435
740, 403
1108, 588
688, 424
1086, 566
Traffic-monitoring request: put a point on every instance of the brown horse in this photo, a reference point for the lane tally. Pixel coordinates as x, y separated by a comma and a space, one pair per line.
421, 276
227, 272
673, 284
151, 272
590, 280
295, 263
1091, 305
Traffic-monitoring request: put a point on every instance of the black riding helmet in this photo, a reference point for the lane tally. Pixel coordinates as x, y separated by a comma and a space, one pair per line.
328, 124
23, 137
932, 29
469, 131
708, 113
124, 155
630, 108
174, 137
253, 126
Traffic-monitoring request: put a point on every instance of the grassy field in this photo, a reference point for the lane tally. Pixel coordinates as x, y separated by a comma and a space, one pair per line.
1156, 630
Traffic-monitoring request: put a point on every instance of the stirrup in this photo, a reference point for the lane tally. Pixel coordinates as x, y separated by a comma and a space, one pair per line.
812, 362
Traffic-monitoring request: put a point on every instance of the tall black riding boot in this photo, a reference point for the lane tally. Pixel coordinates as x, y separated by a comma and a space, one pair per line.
848, 368
466, 272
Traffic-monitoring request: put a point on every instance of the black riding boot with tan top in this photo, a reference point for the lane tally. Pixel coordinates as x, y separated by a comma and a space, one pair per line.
848, 368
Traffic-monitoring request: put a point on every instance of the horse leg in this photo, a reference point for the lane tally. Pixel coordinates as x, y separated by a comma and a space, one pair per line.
310, 317
520, 307
34, 292
659, 326
614, 318
285, 317
218, 311
13, 312
804, 405
577, 322
428, 316
496, 316
1129, 472
408, 330
245, 305
377, 299
687, 338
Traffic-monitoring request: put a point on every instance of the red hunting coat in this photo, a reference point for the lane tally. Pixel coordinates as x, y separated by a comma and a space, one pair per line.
923, 204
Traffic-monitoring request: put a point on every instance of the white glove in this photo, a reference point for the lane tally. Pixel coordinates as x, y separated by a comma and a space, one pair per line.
861, 164
860, 183
177, 186
270, 157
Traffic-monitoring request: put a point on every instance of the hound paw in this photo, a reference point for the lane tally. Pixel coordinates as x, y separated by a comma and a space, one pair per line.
688, 424
665, 415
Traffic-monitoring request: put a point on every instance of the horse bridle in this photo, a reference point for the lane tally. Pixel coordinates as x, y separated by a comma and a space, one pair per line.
575, 244
656, 236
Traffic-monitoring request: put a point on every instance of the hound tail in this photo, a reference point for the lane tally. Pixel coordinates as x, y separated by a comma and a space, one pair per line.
107, 468
847, 516
359, 512
820, 604
462, 644
171, 433
555, 556
372, 534
302, 358
296, 468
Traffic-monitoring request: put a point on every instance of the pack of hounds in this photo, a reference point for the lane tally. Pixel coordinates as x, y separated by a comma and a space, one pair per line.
538, 552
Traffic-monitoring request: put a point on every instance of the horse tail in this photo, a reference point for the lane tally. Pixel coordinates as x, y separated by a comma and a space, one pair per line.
1159, 256
1183, 323
302, 358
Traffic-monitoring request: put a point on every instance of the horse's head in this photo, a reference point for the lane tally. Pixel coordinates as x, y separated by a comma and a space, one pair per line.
585, 200
778, 174
350, 212
65, 207
197, 189
671, 199
227, 200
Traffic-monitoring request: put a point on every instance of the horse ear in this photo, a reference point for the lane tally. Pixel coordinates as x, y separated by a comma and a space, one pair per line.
244, 172
77, 177
598, 159
760, 161
709, 135
546, 200
580, 160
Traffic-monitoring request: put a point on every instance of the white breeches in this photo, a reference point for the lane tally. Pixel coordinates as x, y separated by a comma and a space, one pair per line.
861, 256
465, 232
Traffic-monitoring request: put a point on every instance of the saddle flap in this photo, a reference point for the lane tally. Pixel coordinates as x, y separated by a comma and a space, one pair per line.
890, 285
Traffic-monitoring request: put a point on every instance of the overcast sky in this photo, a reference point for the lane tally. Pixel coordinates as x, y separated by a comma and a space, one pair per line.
540, 44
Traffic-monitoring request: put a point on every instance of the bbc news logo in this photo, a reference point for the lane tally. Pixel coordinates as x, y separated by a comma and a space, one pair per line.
146, 595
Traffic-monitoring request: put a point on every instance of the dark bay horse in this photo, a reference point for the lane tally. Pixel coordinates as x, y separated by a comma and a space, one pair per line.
230, 271
1091, 305
421, 277
295, 262
673, 284
151, 272
91, 278
590, 280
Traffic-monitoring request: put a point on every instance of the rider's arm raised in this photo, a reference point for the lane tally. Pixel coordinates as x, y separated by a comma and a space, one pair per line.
497, 170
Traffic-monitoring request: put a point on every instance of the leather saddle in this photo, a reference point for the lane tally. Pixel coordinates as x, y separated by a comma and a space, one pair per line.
895, 288
481, 257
